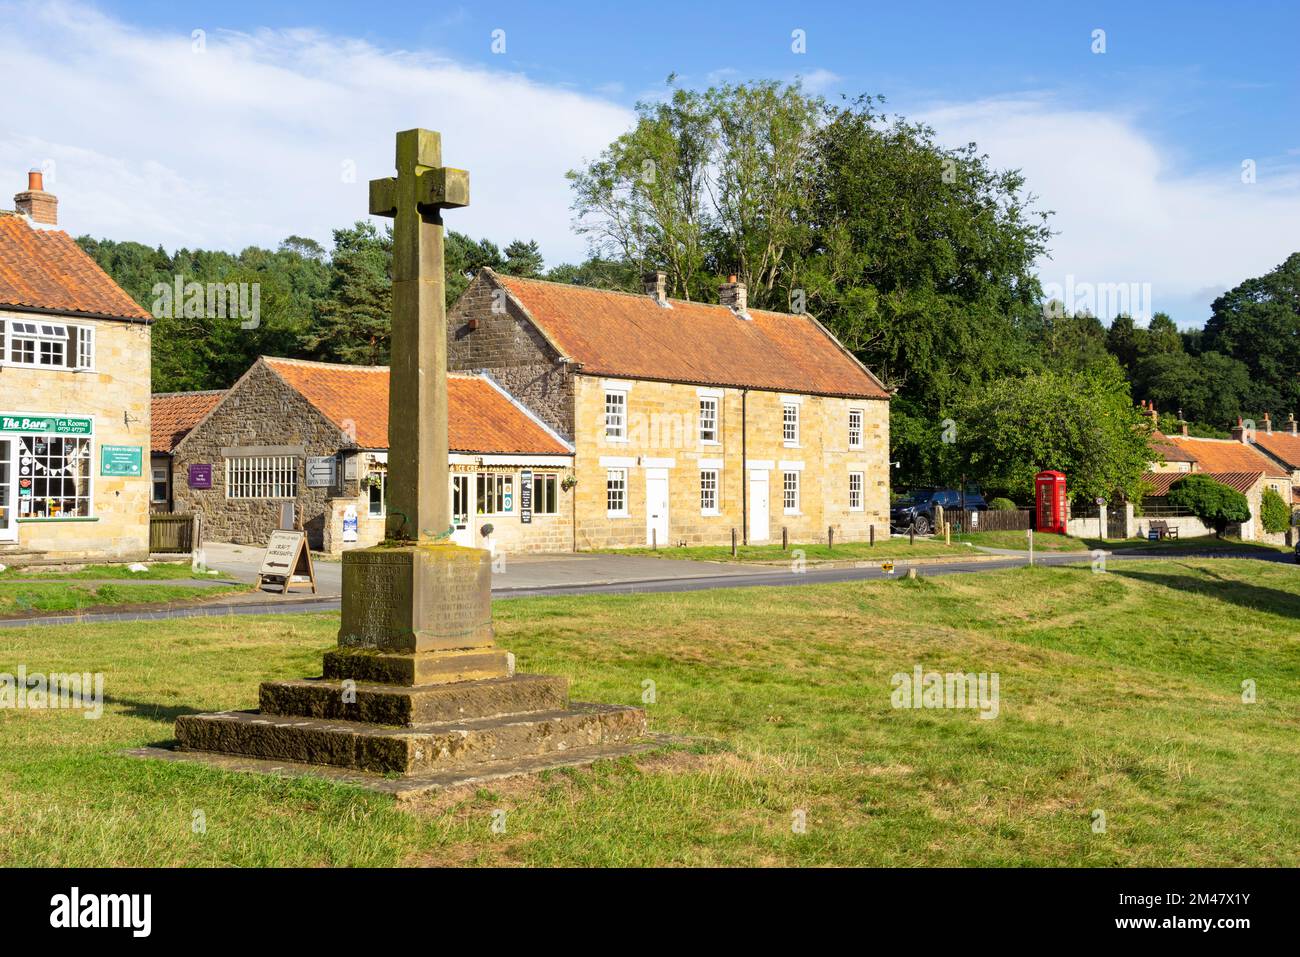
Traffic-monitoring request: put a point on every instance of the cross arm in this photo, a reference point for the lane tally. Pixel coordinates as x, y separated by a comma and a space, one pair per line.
442, 188
383, 197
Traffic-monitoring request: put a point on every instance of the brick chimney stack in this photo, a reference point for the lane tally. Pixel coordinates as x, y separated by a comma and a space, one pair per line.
35, 203
1291, 423
1268, 425
656, 287
732, 295
1238, 432
1149, 410
1182, 423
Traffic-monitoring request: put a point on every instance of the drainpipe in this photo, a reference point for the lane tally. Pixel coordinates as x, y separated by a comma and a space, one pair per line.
744, 471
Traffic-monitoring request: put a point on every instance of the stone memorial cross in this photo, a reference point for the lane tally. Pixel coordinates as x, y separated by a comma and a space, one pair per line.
418, 495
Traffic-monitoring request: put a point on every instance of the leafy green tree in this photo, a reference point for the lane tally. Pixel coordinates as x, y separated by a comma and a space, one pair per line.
524, 259
1258, 324
355, 320
1083, 424
598, 273
1214, 503
1274, 513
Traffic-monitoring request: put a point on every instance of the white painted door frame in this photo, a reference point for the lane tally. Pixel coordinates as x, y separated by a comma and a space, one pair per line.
656, 507
464, 533
760, 516
8, 489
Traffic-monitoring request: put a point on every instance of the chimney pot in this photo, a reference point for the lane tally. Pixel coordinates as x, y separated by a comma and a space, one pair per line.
732, 295
1291, 423
36, 204
655, 284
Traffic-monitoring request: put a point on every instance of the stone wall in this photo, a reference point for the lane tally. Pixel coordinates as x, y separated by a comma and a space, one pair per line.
116, 394
509, 347
663, 433
262, 411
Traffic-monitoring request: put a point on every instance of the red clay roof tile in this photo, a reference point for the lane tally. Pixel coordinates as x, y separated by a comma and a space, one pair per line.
1161, 481
480, 418
173, 414
1283, 445
630, 336
1226, 455
45, 269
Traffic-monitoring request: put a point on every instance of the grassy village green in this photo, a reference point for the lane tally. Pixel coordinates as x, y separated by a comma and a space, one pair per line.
23, 596
156, 570
1119, 692
899, 549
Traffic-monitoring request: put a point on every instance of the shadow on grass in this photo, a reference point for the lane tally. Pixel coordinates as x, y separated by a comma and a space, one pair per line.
151, 710
1201, 581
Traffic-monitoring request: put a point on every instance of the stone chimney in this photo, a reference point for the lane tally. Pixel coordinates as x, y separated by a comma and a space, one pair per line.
1291, 423
656, 287
1182, 423
34, 202
1268, 425
1149, 410
1238, 432
732, 295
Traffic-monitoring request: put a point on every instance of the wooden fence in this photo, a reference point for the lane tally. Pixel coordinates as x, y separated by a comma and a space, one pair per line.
171, 533
991, 520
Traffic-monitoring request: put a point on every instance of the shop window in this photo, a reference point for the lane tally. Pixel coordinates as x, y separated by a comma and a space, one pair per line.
53, 477
546, 497
262, 476
496, 493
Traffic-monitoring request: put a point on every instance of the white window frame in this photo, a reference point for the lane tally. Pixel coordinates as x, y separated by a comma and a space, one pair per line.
540, 481
269, 477
855, 414
710, 491
790, 424
789, 484
83, 343
709, 414
382, 485
616, 420
76, 344
500, 482
158, 474
42, 470
613, 476
861, 484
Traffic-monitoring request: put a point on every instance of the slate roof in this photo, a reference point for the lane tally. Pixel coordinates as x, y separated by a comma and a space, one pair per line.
480, 416
46, 271
631, 336
173, 414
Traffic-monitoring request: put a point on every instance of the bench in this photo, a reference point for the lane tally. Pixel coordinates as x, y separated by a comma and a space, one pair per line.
1159, 529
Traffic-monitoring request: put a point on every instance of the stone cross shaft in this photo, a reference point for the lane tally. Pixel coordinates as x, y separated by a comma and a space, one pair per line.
417, 492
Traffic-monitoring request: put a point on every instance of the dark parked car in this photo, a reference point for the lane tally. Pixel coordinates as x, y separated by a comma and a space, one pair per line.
917, 509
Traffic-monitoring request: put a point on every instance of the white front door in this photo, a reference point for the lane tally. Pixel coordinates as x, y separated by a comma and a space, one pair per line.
656, 507
462, 508
758, 511
8, 511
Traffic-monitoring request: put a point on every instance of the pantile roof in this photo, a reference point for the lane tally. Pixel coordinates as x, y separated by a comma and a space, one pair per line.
173, 414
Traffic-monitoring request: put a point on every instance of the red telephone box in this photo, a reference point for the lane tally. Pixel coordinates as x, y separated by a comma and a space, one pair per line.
1049, 489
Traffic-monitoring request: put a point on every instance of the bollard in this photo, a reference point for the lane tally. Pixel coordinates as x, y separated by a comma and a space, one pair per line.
872, 542
911, 534
785, 538
830, 537
654, 539
947, 533
1030, 533
733, 543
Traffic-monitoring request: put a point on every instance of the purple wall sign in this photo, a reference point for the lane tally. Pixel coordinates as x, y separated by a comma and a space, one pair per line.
200, 476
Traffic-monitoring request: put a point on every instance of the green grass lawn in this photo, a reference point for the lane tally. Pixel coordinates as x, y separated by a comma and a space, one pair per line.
1047, 542
156, 570
1119, 692
885, 548
19, 597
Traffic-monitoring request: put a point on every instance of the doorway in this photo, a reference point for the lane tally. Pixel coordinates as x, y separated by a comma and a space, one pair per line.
759, 522
8, 518
461, 509
656, 507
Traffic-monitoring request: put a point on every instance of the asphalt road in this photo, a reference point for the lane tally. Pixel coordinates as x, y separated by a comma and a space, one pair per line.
676, 576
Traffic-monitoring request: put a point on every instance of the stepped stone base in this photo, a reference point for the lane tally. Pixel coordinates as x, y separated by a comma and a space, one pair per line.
409, 750
417, 687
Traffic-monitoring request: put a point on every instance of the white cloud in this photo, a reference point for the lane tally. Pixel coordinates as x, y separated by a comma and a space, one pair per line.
246, 142
1125, 212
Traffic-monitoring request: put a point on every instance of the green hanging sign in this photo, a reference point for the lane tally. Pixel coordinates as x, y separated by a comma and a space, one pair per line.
120, 460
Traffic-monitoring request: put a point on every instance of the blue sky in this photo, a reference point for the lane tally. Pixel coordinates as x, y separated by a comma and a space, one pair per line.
1139, 149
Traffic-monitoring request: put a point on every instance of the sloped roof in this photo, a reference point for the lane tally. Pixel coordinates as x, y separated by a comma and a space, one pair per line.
1168, 450
45, 270
631, 336
480, 416
173, 414
1284, 445
1226, 455
1161, 481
